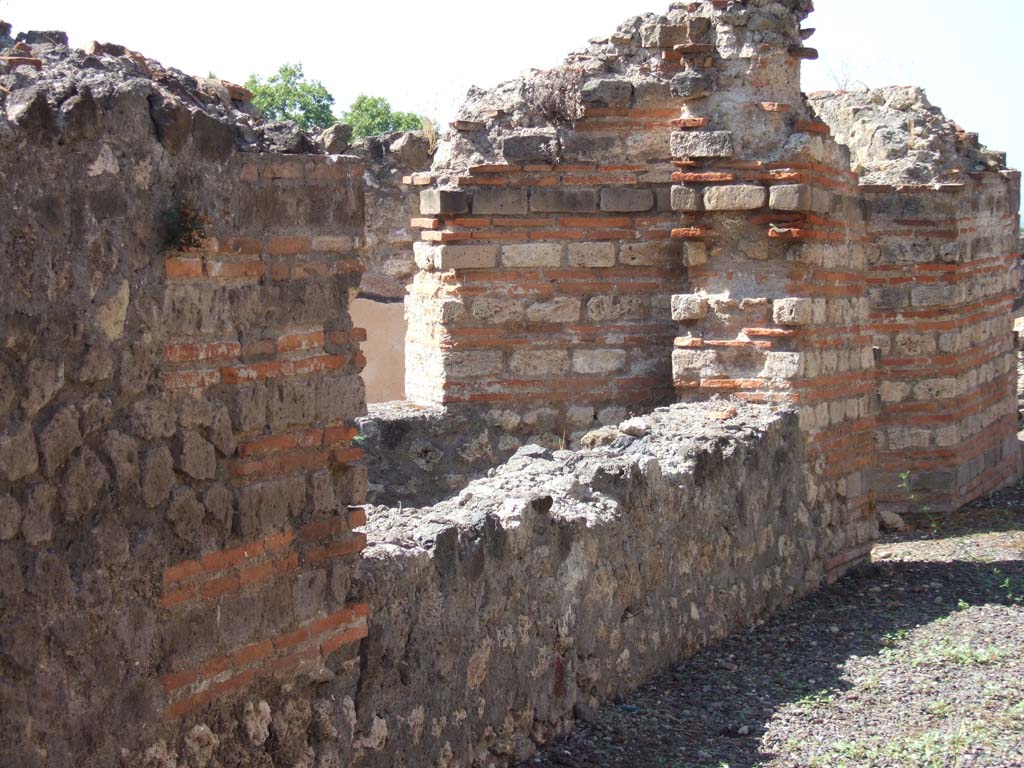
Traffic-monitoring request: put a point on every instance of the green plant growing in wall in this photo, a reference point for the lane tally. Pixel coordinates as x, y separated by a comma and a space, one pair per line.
923, 510
184, 227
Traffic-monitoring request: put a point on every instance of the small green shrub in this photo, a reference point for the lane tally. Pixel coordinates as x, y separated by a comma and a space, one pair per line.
184, 228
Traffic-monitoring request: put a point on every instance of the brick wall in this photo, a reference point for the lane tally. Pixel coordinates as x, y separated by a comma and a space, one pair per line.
697, 205
942, 288
178, 485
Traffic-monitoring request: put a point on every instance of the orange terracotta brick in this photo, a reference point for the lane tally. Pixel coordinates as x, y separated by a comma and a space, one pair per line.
289, 246
181, 268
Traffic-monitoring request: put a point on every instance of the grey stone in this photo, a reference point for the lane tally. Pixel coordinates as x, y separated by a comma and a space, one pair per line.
701, 144
37, 525
692, 85
933, 295
891, 521
153, 419
196, 456
336, 139
687, 199
84, 483
10, 517
185, 514
81, 116
735, 197
435, 202
18, 455
530, 148
157, 475
411, 149
98, 365
220, 505
626, 199
59, 439
792, 311
287, 138
563, 200
8, 394
688, 307
608, 91
790, 197
322, 493
221, 433
502, 202
29, 109
172, 120
45, 380
123, 452
665, 35
212, 139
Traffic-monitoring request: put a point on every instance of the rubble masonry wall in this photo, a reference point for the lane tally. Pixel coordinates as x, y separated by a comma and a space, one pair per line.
176, 468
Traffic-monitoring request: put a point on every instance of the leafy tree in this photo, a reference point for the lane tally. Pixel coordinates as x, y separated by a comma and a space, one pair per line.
288, 95
372, 116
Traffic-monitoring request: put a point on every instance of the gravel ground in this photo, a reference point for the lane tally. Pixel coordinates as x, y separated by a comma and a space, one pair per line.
918, 660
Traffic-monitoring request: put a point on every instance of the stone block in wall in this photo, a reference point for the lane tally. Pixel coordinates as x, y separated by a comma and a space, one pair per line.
469, 364
609, 91
562, 309
626, 199
701, 144
695, 254
563, 200
689, 306
687, 198
649, 254
212, 139
531, 255
434, 202
530, 148
447, 257
793, 311
821, 200
598, 361
504, 202
934, 295
736, 197
497, 310
592, 255
692, 85
790, 197
18, 455
540, 362
665, 35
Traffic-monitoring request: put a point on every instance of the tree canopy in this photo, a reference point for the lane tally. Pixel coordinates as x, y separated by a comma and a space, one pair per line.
288, 95
372, 116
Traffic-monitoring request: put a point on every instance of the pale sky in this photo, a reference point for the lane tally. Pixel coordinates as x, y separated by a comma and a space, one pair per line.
424, 55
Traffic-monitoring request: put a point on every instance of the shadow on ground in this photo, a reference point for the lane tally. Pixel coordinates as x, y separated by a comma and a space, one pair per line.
714, 709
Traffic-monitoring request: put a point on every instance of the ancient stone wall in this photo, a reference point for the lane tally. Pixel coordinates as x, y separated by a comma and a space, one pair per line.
176, 468
569, 578
565, 243
943, 219
182, 548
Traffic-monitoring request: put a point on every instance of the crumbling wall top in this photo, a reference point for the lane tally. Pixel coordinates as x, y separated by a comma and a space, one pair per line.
896, 136
638, 67
46, 88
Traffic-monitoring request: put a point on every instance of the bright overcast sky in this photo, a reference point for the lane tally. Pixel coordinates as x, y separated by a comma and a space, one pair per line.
424, 55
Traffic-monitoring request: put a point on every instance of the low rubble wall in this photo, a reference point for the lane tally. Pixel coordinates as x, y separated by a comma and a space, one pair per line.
564, 579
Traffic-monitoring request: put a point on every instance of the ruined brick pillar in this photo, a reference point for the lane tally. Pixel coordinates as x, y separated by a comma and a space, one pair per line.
776, 250
943, 282
695, 169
